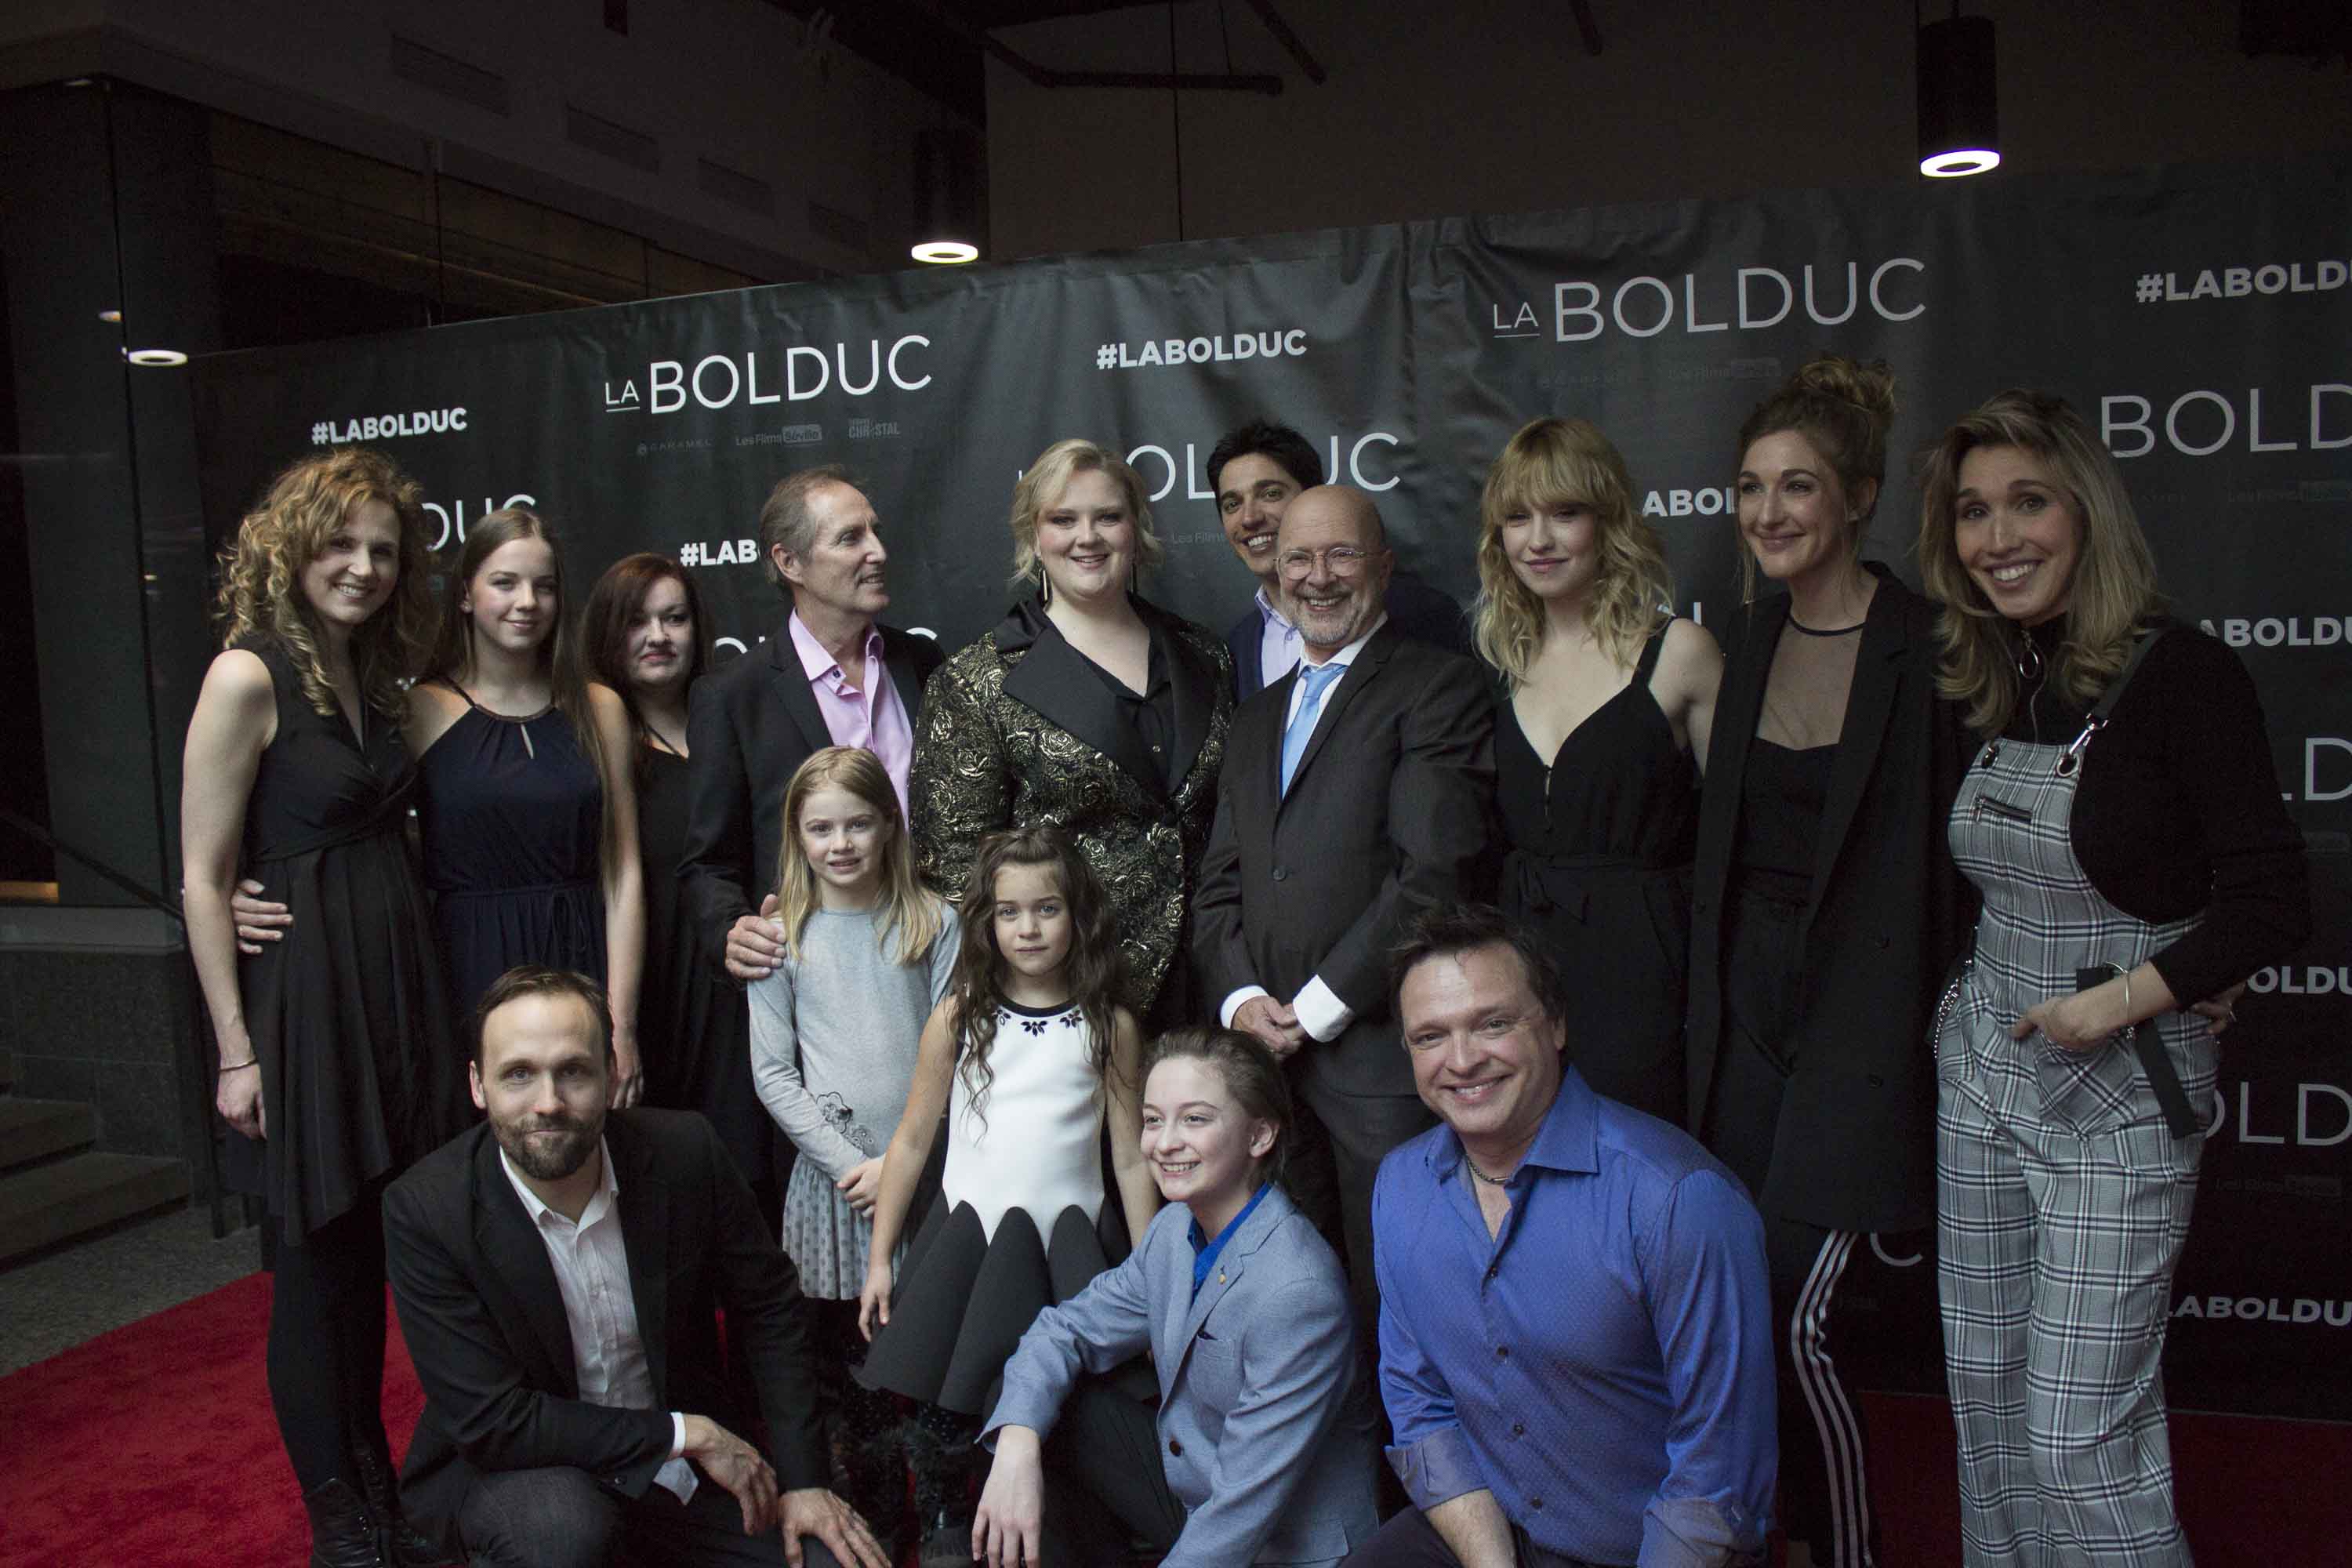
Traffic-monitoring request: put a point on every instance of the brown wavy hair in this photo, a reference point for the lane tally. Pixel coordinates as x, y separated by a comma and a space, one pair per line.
1095, 969
909, 912
1548, 462
1844, 408
2114, 591
617, 599
261, 574
559, 656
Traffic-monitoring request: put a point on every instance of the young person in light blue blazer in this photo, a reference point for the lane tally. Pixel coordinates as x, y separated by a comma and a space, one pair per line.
1264, 1449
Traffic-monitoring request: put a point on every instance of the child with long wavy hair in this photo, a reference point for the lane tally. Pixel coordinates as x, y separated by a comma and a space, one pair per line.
1032, 1060
833, 1046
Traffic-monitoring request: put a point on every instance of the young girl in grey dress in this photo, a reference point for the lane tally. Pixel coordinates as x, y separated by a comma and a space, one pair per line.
833, 1034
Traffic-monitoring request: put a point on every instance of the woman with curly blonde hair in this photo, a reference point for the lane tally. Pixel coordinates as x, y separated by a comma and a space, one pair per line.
1602, 732
335, 1063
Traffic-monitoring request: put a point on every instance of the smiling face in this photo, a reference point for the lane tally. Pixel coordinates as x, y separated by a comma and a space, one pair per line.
844, 838
543, 1082
1086, 538
513, 597
1334, 567
1031, 922
844, 572
1484, 1058
1554, 547
1794, 514
660, 639
1202, 1149
1252, 492
2017, 533
356, 569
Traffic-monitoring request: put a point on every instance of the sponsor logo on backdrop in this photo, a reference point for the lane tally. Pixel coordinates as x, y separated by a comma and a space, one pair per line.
2201, 422
2276, 631
1706, 500
453, 516
1747, 300
386, 427
2306, 1115
761, 376
1363, 462
2240, 282
1217, 350
2301, 1309
726, 552
790, 435
2326, 767
873, 429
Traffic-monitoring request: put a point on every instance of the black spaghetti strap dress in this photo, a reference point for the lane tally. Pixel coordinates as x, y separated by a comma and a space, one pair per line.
347, 1013
1600, 848
513, 815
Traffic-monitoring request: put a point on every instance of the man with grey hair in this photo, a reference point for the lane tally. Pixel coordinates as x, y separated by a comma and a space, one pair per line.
829, 676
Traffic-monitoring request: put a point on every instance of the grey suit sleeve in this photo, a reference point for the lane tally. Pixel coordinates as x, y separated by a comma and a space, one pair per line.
1102, 1325
1297, 1356
475, 1383
1439, 807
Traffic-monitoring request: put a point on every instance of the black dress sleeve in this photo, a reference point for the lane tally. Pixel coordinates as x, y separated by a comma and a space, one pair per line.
2179, 812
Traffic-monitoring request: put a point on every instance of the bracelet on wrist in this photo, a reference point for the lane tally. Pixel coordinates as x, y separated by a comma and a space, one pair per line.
239, 1067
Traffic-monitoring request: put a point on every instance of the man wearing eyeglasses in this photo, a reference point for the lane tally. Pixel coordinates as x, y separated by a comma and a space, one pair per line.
1356, 792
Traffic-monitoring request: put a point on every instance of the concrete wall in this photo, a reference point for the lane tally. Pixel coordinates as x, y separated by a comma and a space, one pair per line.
1495, 106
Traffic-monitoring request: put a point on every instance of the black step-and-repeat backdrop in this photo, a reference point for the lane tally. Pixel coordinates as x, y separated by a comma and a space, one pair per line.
2202, 318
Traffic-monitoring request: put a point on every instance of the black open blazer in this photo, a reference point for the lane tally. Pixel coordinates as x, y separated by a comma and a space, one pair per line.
1889, 915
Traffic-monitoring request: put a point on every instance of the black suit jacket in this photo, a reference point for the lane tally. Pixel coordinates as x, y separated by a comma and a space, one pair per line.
1415, 608
1889, 915
485, 1325
1389, 814
749, 727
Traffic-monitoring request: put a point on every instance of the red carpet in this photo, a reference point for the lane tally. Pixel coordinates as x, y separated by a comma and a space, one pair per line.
153, 1445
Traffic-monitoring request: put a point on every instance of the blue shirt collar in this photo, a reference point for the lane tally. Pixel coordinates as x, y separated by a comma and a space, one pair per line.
1205, 1251
1568, 1140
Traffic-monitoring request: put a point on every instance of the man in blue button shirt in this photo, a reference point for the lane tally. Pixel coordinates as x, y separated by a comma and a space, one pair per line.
1575, 1321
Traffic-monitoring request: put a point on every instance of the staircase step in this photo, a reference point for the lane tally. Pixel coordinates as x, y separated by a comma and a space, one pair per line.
49, 1203
32, 1131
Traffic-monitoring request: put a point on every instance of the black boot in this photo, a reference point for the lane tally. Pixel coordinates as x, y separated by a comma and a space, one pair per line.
404, 1546
343, 1531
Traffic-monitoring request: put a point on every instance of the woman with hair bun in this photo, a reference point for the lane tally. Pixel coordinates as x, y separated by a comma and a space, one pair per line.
1826, 909
336, 1065
1600, 738
1087, 709
2124, 826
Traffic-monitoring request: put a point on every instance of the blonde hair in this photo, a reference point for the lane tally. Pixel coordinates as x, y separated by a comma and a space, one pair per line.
1551, 461
2114, 588
1042, 486
261, 576
911, 915
1844, 408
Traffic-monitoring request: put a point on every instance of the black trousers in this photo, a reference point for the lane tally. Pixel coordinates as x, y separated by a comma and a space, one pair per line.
1104, 1488
557, 1518
1336, 1143
1825, 1481
325, 1357
1409, 1541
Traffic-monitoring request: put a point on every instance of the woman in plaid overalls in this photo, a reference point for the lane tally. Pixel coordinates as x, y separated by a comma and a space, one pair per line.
2123, 824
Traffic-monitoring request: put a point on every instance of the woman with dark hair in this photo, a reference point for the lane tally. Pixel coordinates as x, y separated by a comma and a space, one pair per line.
1087, 710
1263, 1450
645, 636
1599, 739
1826, 909
2123, 824
336, 1064
529, 814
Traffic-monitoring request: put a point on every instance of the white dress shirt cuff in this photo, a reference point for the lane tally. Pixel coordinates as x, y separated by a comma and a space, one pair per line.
1233, 1003
676, 1435
1320, 1012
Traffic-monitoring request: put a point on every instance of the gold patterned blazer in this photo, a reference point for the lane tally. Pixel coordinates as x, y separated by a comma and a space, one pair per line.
1019, 730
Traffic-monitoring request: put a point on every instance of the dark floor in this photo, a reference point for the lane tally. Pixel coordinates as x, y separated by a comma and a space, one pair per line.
57, 1301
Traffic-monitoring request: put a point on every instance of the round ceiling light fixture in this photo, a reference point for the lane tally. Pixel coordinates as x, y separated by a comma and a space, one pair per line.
1960, 123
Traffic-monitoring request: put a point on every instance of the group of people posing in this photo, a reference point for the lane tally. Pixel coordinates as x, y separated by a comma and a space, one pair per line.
1202, 1062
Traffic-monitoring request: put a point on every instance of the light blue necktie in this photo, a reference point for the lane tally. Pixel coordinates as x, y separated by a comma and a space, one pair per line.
1319, 679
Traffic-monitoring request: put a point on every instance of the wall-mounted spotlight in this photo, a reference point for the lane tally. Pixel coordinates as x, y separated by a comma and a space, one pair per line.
949, 223
1959, 129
